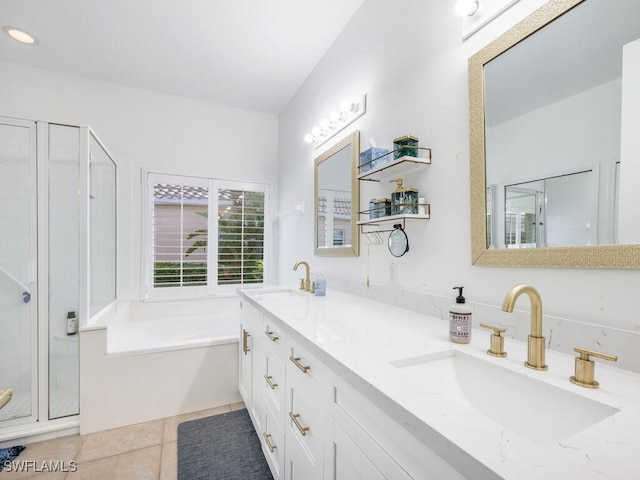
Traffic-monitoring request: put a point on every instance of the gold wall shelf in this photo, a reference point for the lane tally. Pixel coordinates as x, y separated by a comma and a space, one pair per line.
397, 168
386, 223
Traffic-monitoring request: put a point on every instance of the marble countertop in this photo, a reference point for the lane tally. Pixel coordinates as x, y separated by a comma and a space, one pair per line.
361, 340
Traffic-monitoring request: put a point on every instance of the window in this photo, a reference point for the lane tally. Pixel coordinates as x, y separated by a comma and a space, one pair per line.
206, 235
240, 236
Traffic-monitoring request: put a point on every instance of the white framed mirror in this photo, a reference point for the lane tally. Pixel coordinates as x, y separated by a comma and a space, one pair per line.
554, 160
337, 199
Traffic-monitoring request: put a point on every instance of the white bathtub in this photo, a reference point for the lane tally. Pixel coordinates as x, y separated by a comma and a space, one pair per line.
143, 361
173, 325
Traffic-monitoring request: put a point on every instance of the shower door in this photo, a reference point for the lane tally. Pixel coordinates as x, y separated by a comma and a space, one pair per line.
18, 246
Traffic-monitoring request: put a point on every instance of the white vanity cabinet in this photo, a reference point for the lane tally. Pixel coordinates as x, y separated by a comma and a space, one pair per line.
312, 424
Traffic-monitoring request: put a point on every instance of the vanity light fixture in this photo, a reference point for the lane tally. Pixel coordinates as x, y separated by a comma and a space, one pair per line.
337, 121
467, 8
20, 35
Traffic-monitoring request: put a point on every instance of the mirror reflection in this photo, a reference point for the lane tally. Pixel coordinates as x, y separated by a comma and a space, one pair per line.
336, 199
557, 96
556, 109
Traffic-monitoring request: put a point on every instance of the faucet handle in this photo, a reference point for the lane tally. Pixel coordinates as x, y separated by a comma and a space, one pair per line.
302, 284
585, 367
497, 341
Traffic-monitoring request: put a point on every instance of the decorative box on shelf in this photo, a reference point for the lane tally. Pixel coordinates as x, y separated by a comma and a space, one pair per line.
372, 158
379, 208
407, 145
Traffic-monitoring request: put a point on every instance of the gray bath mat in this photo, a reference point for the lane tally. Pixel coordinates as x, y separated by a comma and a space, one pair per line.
7, 455
221, 447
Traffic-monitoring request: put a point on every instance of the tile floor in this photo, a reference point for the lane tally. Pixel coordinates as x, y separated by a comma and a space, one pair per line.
145, 451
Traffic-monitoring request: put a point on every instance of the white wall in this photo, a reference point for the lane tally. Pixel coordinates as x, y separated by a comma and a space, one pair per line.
143, 129
408, 56
630, 147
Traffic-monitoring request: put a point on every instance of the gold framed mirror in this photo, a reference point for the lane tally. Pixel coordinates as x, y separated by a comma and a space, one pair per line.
337, 199
512, 83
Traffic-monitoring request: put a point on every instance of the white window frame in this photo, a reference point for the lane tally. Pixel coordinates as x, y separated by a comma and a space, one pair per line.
214, 185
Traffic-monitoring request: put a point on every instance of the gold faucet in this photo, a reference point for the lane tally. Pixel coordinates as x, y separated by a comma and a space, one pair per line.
306, 284
535, 356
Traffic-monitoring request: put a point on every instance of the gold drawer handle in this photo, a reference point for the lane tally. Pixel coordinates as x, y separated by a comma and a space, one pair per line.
269, 382
271, 336
245, 341
303, 430
267, 440
296, 362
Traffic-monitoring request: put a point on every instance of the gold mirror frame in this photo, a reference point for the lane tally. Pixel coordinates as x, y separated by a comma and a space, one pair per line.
597, 256
352, 250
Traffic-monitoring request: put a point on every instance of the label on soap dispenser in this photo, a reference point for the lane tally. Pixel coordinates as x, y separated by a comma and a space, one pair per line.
459, 327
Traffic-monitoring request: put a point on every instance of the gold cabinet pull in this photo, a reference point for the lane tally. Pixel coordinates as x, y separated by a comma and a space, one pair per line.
272, 337
303, 430
296, 362
245, 341
269, 382
496, 347
585, 367
270, 446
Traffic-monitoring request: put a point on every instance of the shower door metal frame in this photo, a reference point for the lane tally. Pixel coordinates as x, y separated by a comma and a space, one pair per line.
32, 281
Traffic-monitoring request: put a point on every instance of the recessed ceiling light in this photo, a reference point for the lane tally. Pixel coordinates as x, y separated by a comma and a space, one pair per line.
20, 35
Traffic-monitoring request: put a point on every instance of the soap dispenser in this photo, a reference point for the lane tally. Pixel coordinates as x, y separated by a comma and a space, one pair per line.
404, 200
321, 285
459, 320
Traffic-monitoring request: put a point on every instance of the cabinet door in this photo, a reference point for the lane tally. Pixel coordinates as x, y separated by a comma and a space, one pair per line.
273, 443
245, 382
345, 461
298, 464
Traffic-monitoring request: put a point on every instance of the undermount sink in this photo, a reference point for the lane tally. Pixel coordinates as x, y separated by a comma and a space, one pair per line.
540, 412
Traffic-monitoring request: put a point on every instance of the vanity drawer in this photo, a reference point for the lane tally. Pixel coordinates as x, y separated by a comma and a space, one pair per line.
274, 384
274, 337
307, 369
393, 451
305, 420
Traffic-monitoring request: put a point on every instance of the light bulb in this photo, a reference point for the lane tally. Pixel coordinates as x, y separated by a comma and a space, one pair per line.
334, 116
467, 8
308, 138
346, 106
325, 123
315, 131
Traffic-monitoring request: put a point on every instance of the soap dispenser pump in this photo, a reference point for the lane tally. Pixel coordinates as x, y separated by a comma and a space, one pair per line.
459, 319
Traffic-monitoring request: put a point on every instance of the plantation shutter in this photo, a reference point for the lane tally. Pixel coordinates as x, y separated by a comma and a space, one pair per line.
240, 236
180, 234
205, 235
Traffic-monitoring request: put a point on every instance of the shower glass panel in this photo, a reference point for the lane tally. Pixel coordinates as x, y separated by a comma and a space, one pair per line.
18, 243
64, 204
102, 233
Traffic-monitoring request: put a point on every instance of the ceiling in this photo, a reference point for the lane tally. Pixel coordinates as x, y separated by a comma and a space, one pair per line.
251, 54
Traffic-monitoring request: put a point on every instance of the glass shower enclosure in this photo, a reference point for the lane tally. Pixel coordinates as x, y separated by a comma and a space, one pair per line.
57, 219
